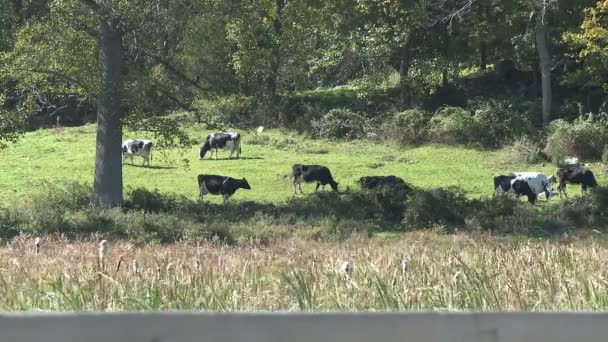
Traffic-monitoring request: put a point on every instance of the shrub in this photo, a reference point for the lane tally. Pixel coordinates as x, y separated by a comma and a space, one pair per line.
526, 151
584, 138
409, 127
502, 214
452, 125
587, 211
498, 123
339, 123
443, 206
489, 124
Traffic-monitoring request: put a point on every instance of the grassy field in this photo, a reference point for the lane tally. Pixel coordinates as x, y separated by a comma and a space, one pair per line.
266, 161
287, 254
417, 271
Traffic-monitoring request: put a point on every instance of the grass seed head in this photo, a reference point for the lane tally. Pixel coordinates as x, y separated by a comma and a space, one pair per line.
37, 244
103, 248
346, 268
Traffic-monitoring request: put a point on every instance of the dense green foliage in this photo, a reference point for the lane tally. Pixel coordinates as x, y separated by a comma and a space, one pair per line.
189, 54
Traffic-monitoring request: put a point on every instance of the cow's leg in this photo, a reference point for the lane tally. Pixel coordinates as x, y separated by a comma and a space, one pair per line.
317, 187
225, 196
300, 187
583, 189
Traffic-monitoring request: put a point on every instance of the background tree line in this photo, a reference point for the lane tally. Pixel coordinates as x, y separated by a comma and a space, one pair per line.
152, 64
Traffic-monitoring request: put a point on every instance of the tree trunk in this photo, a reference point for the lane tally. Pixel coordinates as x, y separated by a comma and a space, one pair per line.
483, 55
107, 186
545, 67
446, 55
404, 68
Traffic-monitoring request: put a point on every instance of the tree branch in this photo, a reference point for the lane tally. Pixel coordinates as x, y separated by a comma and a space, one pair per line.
60, 75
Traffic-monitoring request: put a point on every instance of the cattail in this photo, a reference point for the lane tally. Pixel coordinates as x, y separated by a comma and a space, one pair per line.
103, 250
37, 244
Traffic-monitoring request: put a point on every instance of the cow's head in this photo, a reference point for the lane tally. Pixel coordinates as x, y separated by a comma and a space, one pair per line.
205, 148
244, 184
334, 185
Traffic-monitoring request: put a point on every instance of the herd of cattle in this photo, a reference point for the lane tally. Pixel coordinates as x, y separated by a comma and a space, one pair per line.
529, 184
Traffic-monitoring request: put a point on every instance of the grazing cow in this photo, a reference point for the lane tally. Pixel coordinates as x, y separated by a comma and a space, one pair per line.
502, 183
312, 173
575, 176
224, 141
216, 185
511, 184
391, 182
142, 148
538, 182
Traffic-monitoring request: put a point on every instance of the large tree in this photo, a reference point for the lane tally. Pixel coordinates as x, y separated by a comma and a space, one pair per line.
121, 53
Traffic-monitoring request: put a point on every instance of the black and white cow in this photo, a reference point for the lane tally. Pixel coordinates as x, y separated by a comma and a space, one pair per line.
378, 182
538, 182
312, 173
220, 185
510, 184
133, 147
224, 141
575, 176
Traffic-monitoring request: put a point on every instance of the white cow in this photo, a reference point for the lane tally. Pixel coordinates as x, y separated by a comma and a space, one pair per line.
142, 148
538, 182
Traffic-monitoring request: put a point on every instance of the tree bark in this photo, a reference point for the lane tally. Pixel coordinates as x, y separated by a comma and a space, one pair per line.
404, 68
483, 55
446, 55
107, 186
542, 48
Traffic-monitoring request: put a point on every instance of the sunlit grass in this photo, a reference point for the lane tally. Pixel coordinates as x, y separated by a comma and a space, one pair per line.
266, 161
417, 271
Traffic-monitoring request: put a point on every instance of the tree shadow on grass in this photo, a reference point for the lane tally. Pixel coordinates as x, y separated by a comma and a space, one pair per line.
154, 167
235, 159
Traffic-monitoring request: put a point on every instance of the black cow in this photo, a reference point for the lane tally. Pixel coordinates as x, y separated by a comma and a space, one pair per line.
228, 140
216, 185
378, 182
312, 173
575, 176
509, 183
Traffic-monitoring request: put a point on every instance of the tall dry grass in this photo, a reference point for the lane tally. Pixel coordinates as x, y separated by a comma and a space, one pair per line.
417, 271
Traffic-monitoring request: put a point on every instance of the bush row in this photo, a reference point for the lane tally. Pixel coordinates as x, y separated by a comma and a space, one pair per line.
489, 125
153, 216
486, 125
